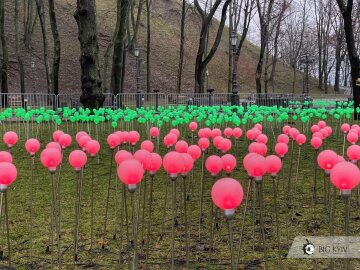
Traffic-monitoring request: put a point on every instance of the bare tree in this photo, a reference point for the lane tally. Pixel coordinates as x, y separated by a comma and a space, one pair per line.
202, 58
17, 50
30, 19
5, 57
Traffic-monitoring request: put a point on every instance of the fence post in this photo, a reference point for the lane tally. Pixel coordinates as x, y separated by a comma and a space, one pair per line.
210, 92
156, 91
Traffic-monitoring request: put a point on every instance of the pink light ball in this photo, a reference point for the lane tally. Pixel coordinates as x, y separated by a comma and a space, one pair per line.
32, 146
293, 132
80, 134
133, 137
286, 129
352, 137
316, 142
143, 157
259, 148
256, 166
237, 132
154, 132
250, 135
345, 176
283, 138
258, 126
170, 139
8, 174
229, 163
112, 140
203, 143
77, 160
227, 194
83, 140
122, 155
315, 128
64, 140
155, 163
10, 138
173, 164
225, 145
194, 151
353, 153
176, 132
188, 164
213, 165
51, 158
201, 133
5, 157
215, 132
262, 138
216, 141
321, 124
318, 134
181, 146
193, 126
130, 172
324, 132
228, 132
54, 145
93, 147
345, 128
56, 135
327, 159
207, 132
147, 145
281, 149
273, 164
300, 139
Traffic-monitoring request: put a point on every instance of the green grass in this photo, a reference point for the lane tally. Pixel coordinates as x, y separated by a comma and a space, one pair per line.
295, 221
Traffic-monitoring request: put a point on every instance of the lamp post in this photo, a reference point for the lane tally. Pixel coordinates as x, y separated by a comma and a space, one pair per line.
138, 91
33, 80
234, 91
207, 78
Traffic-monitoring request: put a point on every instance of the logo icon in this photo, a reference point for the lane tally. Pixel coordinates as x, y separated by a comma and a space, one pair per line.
308, 248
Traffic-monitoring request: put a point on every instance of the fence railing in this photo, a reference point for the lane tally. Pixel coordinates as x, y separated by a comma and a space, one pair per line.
133, 100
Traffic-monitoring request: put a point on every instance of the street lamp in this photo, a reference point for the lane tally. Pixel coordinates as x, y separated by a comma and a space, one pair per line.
138, 91
234, 91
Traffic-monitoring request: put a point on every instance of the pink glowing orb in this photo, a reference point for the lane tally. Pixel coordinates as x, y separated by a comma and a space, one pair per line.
122, 155
318, 134
188, 163
65, 140
130, 172
176, 132
225, 145
345, 128
201, 133
353, 152
322, 124
155, 163
181, 147
154, 132
51, 158
133, 137
315, 128
10, 138
83, 140
80, 134
259, 148
215, 132
293, 132
273, 164
286, 129
237, 132
170, 139
203, 143
256, 166
258, 126
147, 145
143, 156
228, 132
207, 132
194, 151
227, 193
173, 163
352, 137
324, 132
283, 138
8, 174
5, 157
316, 142
281, 149
113, 140
54, 145
216, 141
327, 160
193, 126
32, 146
213, 165
262, 138
345, 176
300, 139
77, 159
56, 135
93, 147
250, 134
229, 163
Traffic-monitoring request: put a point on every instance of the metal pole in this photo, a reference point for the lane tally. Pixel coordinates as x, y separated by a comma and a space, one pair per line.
234, 95
138, 92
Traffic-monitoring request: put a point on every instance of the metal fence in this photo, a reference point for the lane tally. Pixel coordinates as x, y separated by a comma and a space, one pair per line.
133, 100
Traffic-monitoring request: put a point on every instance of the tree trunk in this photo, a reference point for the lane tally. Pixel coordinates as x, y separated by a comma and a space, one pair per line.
18, 53
41, 14
182, 43
85, 16
148, 48
57, 48
29, 21
5, 60
119, 47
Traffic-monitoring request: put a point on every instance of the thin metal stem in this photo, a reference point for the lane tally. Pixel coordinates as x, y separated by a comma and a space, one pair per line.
186, 223
92, 203
173, 224
201, 194
231, 240
134, 225
7, 228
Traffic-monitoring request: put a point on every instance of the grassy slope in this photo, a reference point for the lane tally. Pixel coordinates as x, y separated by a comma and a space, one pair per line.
165, 46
